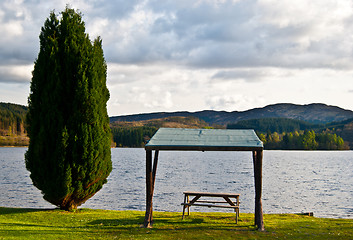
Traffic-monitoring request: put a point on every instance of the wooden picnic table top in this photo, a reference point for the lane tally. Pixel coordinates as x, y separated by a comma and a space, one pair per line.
210, 194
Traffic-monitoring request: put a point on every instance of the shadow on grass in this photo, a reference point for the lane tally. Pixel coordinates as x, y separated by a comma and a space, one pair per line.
169, 227
125, 222
162, 223
5, 210
29, 227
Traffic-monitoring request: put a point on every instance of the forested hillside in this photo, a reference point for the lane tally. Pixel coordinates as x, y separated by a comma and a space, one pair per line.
12, 125
274, 125
136, 134
276, 132
303, 140
282, 133
312, 113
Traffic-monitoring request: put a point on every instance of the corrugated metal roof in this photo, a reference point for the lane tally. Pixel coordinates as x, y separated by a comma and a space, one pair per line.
204, 139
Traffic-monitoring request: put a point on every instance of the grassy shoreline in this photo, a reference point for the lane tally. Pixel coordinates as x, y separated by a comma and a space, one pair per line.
14, 141
22, 223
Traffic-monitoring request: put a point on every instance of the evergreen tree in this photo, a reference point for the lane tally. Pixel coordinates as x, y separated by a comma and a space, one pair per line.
69, 151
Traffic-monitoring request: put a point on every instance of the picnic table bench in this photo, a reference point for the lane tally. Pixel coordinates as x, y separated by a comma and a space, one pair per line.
211, 203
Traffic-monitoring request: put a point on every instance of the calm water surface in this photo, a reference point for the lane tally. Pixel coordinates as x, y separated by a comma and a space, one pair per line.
293, 181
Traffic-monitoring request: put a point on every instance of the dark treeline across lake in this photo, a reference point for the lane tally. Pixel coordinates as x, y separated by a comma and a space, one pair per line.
293, 181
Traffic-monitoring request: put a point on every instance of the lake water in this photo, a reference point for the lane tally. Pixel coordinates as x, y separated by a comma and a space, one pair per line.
293, 181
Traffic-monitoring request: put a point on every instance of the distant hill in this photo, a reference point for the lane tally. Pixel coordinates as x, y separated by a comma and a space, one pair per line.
313, 113
278, 125
313, 116
168, 122
275, 118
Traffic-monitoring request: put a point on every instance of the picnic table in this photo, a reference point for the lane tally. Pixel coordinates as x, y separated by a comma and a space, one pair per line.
196, 201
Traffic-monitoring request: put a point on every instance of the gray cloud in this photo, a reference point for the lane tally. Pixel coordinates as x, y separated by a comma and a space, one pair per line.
116, 9
17, 55
202, 34
228, 34
13, 78
249, 75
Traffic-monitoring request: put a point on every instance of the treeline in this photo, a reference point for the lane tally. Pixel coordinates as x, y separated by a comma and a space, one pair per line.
303, 140
132, 136
291, 134
12, 119
297, 140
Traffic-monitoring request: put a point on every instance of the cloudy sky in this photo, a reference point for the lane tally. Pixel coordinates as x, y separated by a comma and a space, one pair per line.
168, 55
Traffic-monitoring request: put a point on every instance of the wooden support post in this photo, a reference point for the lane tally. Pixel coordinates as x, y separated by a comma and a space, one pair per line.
150, 180
257, 159
155, 162
148, 216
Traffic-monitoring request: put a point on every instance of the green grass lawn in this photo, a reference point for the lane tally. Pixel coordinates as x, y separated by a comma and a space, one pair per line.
19, 223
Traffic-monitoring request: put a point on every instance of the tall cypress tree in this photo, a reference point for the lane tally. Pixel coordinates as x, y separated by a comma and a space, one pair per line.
69, 155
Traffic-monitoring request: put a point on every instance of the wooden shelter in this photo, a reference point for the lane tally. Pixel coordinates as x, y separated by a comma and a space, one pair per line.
175, 139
